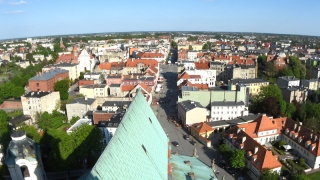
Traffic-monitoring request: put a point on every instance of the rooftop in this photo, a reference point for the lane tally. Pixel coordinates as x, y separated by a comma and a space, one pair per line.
189, 105
87, 101
48, 74
38, 94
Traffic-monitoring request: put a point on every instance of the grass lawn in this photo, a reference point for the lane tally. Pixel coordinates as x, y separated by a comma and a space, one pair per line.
315, 176
63, 127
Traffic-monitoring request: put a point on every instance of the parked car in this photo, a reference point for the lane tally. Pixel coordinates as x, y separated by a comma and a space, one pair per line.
186, 137
231, 171
175, 143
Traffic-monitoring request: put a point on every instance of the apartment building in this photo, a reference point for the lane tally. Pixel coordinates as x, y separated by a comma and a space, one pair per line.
74, 73
45, 81
227, 110
198, 77
190, 112
254, 84
94, 90
288, 81
34, 102
80, 107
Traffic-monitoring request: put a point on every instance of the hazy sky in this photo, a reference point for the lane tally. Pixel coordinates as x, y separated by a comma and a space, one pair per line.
27, 18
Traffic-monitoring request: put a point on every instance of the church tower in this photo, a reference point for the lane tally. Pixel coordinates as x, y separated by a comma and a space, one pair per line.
23, 158
61, 44
75, 51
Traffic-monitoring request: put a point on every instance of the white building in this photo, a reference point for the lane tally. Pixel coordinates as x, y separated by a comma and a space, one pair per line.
34, 102
86, 61
192, 55
188, 65
288, 81
92, 75
199, 77
227, 110
48, 45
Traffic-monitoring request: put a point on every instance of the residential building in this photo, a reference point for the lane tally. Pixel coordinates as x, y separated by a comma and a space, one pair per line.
138, 65
39, 102
92, 75
311, 84
94, 90
190, 112
183, 54
254, 84
188, 65
114, 106
227, 110
205, 98
80, 106
45, 81
288, 81
74, 73
113, 79
202, 132
252, 136
11, 106
243, 71
151, 55
192, 55
198, 77
85, 82
115, 90
111, 67
294, 93
222, 69
23, 158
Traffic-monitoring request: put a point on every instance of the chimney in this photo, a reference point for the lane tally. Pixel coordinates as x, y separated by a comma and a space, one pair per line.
299, 128
295, 126
244, 139
85, 98
255, 150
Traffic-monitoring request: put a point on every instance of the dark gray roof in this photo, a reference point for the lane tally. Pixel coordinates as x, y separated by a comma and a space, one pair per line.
35, 94
19, 119
49, 74
116, 103
87, 101
288, 78
112, 123
115, 85
239, 120
95, 86
92, 73
189, 105
227, 103
113, 76
62, 64
248, 81
146, 78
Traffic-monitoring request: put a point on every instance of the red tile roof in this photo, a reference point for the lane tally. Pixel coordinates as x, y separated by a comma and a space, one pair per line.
101, 116
202, 127
146, 62
202, 65
11, 105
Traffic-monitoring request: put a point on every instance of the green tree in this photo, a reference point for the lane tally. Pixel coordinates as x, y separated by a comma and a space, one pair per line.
270, 91
237, 159
102, 78
81, 75
262, 59
62, 86
205, 46
4, 129
269, 175
224, 149
190, 48
290, 110
300, 177
74, 119
32, 132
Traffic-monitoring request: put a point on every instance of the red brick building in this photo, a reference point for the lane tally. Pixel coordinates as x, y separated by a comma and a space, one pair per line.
45, 81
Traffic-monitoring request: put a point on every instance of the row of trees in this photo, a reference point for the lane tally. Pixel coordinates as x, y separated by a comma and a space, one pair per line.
53, 120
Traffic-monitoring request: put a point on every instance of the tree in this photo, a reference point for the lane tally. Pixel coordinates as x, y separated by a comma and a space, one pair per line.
173, 44
81, 75
102, 78
290, 110
262, 59
271, 106
270, 91
205, 46
237, 159
63, 87
224, 149
190, 48
74, 119
4, 129
300, 177
269, 175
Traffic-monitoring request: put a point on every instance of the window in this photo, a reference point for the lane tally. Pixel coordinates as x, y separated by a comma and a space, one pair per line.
25, 171
37, 84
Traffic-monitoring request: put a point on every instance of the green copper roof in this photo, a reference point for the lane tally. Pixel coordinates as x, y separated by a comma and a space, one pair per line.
181, 169
139, 148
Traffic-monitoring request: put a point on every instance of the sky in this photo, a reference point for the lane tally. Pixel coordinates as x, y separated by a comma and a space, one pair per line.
30, 18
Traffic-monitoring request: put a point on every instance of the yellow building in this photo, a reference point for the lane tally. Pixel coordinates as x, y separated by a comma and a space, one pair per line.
94, 90
197, 47
183, 46
253, 84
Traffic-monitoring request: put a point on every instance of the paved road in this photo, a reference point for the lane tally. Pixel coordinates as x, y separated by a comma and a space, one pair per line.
176, 134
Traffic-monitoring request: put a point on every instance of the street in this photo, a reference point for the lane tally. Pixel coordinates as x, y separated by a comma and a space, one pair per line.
169, 72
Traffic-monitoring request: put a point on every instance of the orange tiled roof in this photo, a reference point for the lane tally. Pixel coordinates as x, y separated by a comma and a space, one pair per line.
202, 65
11, 105
126, 88
146, 89
109, 65
67, 58
146, 62
202, 127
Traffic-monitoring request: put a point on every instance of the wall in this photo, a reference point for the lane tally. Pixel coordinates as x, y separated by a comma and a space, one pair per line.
196, 115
